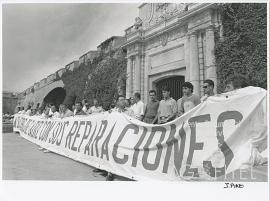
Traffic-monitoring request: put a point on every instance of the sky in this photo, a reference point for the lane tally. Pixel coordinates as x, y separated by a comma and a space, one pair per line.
39, 39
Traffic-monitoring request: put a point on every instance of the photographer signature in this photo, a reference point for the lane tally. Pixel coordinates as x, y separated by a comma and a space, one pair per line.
233, 185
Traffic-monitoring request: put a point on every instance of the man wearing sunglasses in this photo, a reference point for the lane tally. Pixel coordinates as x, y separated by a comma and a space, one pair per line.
208, 89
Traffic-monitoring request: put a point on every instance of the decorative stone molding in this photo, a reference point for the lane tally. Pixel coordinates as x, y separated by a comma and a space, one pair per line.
166, 37
154, 13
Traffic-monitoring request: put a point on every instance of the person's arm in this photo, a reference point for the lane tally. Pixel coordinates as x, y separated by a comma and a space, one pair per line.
155, 119
180, 109
174, 109
101, 109
141, 112
198, 100
144, 112
158, 114
90, 110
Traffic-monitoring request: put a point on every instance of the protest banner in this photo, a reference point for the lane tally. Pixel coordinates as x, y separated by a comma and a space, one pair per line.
214, 138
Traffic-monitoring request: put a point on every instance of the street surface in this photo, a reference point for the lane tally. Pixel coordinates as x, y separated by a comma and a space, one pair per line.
23, 161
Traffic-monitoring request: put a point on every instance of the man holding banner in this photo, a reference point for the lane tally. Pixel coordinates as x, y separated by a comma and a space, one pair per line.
188, 101
167, 109
207, 143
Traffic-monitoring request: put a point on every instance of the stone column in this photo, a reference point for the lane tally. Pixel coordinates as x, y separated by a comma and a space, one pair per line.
146, 79
137, 78
194, 64
187, 54
211, 72
142, 76
129, 78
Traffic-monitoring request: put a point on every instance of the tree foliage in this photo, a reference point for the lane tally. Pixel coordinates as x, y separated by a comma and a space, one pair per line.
97, 79
243, 48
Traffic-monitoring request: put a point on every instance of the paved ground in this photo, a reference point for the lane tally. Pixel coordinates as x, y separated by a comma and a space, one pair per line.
23, 161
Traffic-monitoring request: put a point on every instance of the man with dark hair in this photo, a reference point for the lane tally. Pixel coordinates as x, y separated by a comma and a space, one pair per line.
167, 109
28, 111
128, 103
122, 106
86, 108
78, 108
150, 114
39, 111
54, 114
21, 110
121, 109
96, 108
33, 112
235, 82
138, 107
208, 89
188, 101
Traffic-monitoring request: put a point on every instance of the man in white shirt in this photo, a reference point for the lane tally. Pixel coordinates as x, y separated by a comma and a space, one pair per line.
122, 106
167, 109
138, 107
95, 108
28, 111
55, 114
64, 111
21, 110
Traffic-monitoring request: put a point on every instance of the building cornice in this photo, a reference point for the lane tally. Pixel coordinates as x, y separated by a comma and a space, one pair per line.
181, 21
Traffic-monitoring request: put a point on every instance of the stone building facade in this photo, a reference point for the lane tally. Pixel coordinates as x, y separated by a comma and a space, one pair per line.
170, 44
9, 102
51, 89
112, 43
88, 57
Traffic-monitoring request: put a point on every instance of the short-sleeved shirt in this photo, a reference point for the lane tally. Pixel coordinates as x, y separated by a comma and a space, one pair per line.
186, 103
205, 97
138, 109
126, 110
151, 109
95, 109
84, 108
56, 115
80, 113
167, 107
67, 113
28, 112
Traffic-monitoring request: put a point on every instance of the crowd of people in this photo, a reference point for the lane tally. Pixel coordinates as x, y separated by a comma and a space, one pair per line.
154, 112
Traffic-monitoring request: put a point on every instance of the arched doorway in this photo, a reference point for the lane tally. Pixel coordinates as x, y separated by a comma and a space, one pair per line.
175, 85
56, 96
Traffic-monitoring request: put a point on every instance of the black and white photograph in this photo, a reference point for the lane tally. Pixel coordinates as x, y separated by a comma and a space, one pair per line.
122, 93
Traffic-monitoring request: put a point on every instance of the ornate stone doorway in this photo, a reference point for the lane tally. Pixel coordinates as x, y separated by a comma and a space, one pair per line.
175, 85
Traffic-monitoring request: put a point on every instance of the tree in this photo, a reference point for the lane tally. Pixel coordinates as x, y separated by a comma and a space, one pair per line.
243, 49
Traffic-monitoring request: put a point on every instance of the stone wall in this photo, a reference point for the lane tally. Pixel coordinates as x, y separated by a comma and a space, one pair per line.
39, 94
9, 102
171, 40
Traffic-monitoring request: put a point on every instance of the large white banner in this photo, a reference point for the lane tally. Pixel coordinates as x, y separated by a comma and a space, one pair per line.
215, 138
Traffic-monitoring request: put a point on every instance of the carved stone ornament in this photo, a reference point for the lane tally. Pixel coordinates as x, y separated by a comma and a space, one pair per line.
156, 12
138, 23
164, 39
